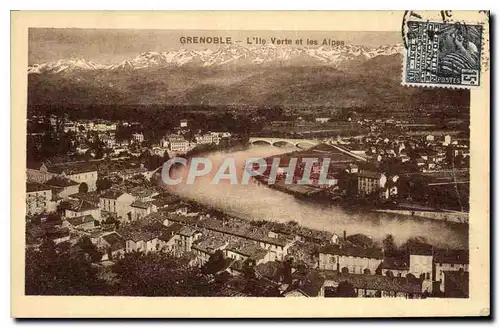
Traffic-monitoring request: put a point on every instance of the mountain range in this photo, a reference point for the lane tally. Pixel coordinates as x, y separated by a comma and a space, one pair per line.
339, 76
226, 55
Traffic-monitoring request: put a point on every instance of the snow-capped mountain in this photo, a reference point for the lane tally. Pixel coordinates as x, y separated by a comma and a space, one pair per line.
228, 55
65, 65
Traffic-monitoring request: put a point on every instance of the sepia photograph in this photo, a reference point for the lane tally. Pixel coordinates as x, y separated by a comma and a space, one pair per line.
252, 163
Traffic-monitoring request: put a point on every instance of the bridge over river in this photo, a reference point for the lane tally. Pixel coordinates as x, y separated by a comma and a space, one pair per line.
302, 144
285, 142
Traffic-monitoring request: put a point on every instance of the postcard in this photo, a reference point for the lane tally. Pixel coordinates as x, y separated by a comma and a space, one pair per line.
250, 164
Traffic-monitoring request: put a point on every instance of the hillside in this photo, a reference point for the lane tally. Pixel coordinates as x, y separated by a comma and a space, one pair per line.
273, 76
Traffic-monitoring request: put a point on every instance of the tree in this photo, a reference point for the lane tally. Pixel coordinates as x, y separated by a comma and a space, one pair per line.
389, 245
166, 157
346, 289
215, 263
83, 188
103, 184
159, 274
287, 271
90, 249
52, 272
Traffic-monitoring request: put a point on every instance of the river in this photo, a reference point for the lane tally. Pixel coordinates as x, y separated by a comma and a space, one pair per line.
258, 202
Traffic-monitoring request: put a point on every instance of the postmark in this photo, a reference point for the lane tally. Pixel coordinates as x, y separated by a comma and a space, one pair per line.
443, 53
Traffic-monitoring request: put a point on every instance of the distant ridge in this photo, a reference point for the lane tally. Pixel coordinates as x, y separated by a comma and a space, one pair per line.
334, 56
334, 77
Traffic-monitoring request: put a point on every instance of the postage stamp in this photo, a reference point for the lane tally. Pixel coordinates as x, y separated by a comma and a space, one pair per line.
442, 54
211, 164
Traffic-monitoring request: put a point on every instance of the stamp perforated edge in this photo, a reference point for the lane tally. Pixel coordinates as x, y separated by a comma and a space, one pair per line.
485, 56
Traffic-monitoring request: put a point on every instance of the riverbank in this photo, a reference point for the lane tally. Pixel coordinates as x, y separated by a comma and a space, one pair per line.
446, 216
317, 195
254, 201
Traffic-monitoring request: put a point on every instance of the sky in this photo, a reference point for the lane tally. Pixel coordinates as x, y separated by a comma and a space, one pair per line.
108, 46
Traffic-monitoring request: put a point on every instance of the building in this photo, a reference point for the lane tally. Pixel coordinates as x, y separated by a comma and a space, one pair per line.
204, 139
177, 143
70, 127
117, 202
316, 236
39, 199
183, 124
143, 193
109, 141
311, 284
322, 120
421, 260
186, 237
366, 285
140, 241
62, 188
394, 267
82, 173
168, 238
114, 246
206, 248
38, 172
370, 182
352, 168
127, 174
448, 260
78, 208
455, 284
350, 259
103, 126
140, 209
138, 138
84, 222
248, 251
58, 235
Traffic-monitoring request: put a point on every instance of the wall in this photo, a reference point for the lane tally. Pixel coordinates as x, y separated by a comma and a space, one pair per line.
353, 264
421, 264
69, 190
90, 178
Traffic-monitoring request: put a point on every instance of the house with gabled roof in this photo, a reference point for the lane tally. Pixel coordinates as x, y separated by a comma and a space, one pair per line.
366, 285
207, 247
310, 284
348, 258
187, 236
114, 244
140, 209
117, 202
77, 208
62, 187
243, 251
168, 237
81, 172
